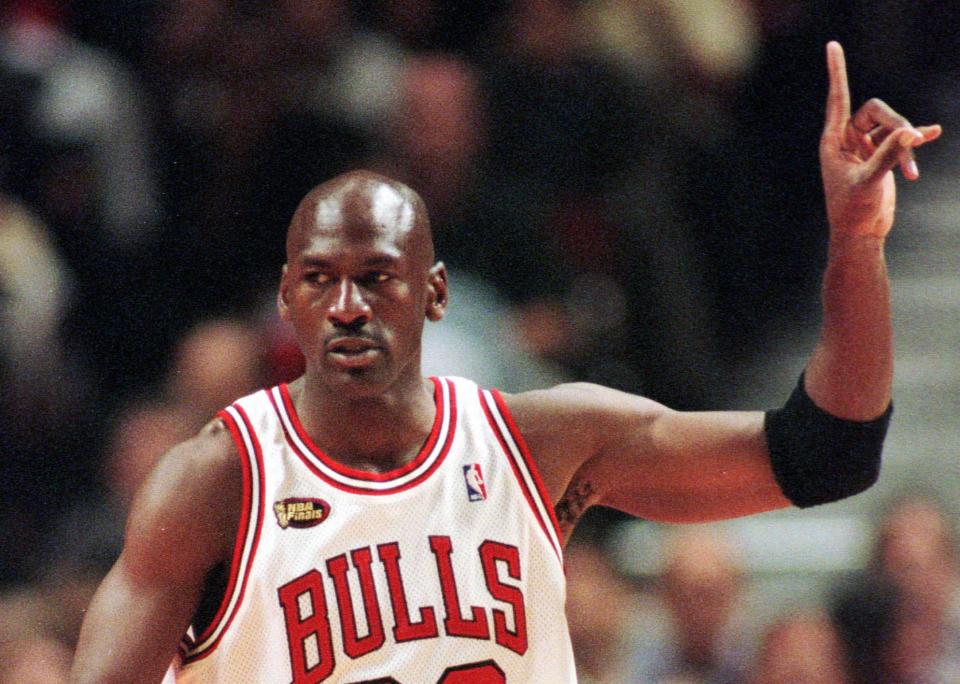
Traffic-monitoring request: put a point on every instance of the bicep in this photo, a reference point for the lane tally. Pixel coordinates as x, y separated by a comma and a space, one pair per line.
180, 525
689, 467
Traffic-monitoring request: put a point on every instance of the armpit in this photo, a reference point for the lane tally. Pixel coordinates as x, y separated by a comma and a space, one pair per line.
578, 497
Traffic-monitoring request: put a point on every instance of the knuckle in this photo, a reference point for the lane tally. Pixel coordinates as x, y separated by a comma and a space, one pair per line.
876, 103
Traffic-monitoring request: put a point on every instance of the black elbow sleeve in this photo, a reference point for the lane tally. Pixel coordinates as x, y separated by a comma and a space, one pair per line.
818, 458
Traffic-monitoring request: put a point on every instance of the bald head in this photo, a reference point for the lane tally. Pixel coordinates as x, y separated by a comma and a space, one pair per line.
360, 264
356, 205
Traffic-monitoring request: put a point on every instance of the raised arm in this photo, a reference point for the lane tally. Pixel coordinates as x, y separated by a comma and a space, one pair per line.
595, 445
183, 522
851, 370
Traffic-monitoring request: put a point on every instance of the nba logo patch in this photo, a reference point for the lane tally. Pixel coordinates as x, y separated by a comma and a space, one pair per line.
476, 490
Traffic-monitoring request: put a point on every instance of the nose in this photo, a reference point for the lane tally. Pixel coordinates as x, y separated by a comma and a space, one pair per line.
348, 308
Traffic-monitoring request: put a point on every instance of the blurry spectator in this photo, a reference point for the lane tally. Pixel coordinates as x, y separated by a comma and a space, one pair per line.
43, 405
35, 284
215, 362
41, 614
916, 551
900, 621
218, 361
476, 340
334, 69
582, 141
693, 50
433, 25
687, 59
803, 648
76, 147
437, 132
702, 634
35, 291
34, 661
436, 141
864, 609
564, 119
601, 611
84, 108
241, 141
24, 614
142, 433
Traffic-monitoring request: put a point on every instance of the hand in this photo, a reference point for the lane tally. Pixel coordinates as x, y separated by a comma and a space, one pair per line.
858, 155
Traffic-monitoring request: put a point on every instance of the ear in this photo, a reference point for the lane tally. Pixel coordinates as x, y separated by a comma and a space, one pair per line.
437, 293
282, 305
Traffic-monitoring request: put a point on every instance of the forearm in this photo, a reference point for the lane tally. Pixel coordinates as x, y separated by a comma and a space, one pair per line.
825, 443
851, 370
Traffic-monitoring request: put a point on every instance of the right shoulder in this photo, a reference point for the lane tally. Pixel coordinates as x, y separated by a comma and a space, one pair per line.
187, 511
182, 523
198, 465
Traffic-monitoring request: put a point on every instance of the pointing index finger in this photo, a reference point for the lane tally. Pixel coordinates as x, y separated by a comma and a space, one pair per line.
838, 96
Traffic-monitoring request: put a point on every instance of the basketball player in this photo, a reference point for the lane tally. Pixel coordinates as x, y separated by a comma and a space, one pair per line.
366, 524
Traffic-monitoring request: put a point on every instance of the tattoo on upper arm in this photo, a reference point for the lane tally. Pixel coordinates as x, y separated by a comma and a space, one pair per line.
573, 503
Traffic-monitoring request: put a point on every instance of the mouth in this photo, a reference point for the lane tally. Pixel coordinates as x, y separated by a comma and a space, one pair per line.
352, 352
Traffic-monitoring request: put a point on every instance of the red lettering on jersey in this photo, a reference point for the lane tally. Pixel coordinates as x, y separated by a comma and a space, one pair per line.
454, 622
491, 553
304, 629
354, 645
487, 672
404, 629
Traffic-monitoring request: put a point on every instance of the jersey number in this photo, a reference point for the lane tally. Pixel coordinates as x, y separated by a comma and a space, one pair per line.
485, 672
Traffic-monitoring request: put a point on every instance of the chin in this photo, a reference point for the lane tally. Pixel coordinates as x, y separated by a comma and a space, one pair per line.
357, 382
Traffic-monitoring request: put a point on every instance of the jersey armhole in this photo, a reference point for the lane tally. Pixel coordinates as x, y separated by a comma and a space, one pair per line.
247, 535
522, 463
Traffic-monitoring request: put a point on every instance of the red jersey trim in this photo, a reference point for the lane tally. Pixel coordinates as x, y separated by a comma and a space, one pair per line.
528, 458
186, 644
355, 481
248, 538
521, 462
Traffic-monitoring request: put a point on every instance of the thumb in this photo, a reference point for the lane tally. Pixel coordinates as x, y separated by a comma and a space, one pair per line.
897, 148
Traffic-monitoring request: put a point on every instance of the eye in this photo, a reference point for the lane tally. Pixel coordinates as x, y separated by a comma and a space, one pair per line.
374, 278
316, 277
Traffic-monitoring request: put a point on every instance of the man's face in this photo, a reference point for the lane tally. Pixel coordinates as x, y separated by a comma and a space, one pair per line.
357, 286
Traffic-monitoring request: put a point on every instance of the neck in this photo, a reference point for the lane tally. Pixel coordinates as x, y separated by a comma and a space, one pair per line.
377, 432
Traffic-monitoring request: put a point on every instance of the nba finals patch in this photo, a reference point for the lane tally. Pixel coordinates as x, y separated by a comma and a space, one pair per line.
300, 512
476, 490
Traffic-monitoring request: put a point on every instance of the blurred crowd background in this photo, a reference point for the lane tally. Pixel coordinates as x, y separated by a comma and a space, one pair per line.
624, 191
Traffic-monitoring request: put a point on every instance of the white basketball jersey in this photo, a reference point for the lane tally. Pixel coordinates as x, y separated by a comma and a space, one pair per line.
447, 570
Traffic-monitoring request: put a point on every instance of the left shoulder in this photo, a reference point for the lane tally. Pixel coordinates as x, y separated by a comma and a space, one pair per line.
576, 407
567, 425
